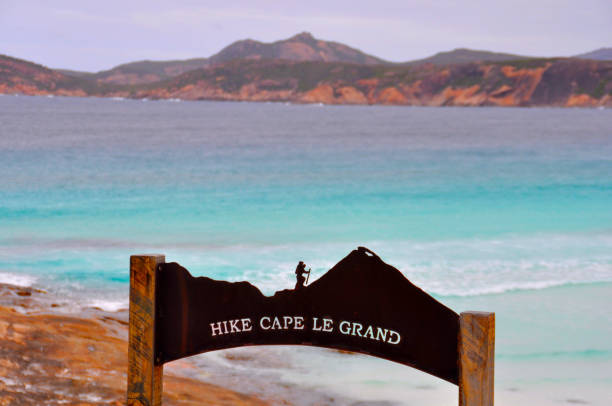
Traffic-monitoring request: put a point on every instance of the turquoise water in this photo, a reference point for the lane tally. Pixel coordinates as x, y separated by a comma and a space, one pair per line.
490, 209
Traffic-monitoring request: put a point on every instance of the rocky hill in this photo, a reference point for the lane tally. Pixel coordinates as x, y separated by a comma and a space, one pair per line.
24, 77
301, 47
601, 54
464, 55
531, 82
521, 82
140, 72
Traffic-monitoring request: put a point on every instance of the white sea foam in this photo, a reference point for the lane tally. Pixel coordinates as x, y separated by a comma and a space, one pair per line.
467, 267
17, 280
109, 305
510, 287
443, 268
487, 276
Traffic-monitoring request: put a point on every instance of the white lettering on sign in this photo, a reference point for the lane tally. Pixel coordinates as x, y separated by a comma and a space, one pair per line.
299, 322
282, 323
326, 325
246, 325
235, 326
371, 332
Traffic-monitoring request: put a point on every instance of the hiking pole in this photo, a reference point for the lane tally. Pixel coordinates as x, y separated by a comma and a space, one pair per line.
308, 277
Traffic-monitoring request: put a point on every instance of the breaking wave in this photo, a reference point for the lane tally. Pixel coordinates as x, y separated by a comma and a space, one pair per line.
17, 279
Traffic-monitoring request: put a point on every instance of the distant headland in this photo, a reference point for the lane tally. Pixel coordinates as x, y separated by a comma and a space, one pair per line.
303, 69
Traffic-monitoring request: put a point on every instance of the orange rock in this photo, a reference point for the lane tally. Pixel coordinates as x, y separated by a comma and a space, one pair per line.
581, 100
62, 359
501, 91
468, 96
130, 78
368, 82
391, 95
320, 94
350, 95
503, 96
526, 81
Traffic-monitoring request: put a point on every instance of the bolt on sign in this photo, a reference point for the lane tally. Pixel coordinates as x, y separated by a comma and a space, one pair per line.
361, 304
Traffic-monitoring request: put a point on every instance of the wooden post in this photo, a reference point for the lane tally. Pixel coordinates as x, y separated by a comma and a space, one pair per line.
144, 377
476, 358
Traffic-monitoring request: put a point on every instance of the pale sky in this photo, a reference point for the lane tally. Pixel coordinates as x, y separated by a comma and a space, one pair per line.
97, 35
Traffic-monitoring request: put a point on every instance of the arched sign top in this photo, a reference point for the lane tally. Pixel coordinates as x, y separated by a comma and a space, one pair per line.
361, 304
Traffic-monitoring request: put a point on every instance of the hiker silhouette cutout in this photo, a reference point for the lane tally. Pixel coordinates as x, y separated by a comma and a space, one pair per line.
300, 270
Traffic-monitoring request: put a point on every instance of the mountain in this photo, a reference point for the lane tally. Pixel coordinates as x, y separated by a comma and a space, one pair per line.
601, 54
301, 47
464, 55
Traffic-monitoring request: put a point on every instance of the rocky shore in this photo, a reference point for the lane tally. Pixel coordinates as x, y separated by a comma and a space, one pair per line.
51, 354
50, 358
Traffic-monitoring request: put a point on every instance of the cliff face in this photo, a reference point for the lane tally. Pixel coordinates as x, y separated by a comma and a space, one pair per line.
526, 82
541, 82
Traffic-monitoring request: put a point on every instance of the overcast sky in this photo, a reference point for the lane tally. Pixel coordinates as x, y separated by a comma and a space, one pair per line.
96, 35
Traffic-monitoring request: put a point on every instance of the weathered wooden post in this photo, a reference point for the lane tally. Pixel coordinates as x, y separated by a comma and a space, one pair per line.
476, 358
144, 376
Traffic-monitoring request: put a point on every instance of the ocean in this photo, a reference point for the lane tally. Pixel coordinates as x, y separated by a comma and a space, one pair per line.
495, 209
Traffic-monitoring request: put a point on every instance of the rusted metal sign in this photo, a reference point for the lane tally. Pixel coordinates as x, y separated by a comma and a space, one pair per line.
361, 304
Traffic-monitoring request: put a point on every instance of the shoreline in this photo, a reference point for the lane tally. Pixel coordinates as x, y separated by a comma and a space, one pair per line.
587, 106
52, 356
57, 358
48, 357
